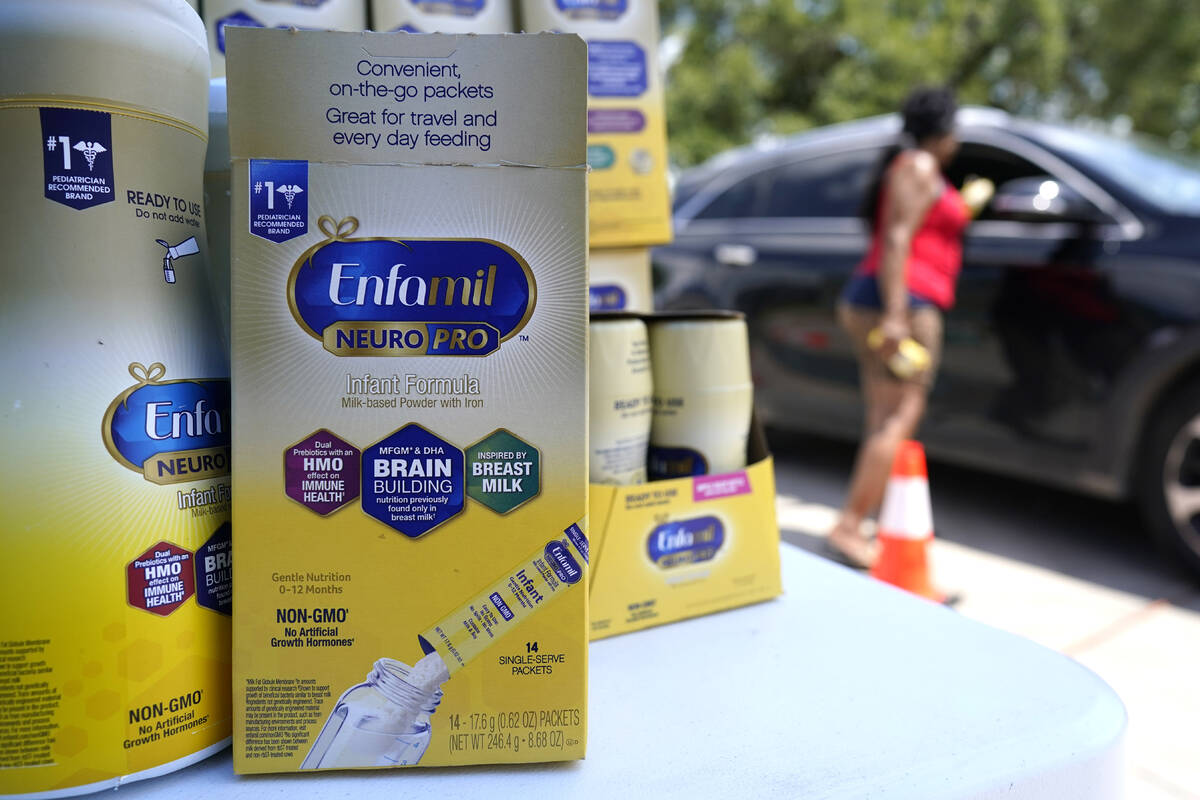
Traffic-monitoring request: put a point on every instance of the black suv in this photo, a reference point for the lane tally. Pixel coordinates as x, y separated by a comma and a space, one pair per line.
1073, 354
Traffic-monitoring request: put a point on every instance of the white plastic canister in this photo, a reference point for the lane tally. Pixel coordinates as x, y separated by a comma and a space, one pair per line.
442, 16
620, 393
620, 280
218, 200
336, 15
703, 394
114, 487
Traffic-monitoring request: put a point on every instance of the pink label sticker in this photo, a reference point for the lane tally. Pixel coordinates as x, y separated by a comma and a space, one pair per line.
714, 487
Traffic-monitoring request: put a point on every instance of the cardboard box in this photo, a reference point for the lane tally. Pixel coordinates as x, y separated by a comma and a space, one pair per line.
410, 372
629, 199
620, 280
668, 550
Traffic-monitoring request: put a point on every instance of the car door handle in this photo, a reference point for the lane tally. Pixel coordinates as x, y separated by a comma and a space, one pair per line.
735, 255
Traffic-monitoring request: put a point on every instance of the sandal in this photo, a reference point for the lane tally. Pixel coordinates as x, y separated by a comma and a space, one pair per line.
852, 560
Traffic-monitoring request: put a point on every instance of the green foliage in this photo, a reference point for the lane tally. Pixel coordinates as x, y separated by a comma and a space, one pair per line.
753, 67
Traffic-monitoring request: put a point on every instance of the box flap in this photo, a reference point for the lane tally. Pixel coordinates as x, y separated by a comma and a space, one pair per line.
384, 98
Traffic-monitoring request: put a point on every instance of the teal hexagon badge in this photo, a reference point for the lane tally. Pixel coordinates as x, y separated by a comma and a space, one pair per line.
503, 471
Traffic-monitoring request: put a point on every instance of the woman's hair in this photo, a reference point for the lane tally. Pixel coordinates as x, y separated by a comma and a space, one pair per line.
927, 111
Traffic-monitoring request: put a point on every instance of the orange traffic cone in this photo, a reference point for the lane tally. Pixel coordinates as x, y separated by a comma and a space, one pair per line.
906, 525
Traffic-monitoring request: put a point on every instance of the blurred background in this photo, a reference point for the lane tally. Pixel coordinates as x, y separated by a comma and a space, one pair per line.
1064, 426
742, 71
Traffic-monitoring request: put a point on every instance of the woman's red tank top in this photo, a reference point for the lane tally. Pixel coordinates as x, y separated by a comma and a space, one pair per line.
935, 256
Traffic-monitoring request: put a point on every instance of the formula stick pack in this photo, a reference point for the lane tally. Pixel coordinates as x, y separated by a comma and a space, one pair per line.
410, 395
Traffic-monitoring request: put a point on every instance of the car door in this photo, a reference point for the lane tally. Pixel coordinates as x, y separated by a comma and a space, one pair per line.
699, 269
1031, 336
807, 238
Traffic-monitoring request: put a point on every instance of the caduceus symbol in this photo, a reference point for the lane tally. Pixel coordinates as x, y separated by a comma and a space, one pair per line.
90, 150
289, 192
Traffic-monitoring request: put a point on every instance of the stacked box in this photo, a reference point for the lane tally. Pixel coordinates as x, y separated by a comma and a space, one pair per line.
629, 201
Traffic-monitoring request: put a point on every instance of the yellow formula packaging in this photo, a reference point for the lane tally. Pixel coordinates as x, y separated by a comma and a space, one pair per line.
629, 201
672, 549
114, 490
410, 372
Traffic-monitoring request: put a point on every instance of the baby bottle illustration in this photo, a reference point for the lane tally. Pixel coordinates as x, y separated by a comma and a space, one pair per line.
385, 720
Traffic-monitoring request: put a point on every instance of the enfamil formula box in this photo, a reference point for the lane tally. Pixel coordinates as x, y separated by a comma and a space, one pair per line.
409, 350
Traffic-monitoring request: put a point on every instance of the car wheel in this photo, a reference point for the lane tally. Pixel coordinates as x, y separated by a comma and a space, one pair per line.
1170, 475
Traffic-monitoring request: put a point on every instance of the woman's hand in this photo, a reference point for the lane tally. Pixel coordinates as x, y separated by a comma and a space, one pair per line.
894, 329
977, 193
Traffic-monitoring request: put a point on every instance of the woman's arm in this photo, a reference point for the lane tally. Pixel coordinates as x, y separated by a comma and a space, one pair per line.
914, 183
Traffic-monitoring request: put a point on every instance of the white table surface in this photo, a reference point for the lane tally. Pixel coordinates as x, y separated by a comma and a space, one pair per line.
842, 688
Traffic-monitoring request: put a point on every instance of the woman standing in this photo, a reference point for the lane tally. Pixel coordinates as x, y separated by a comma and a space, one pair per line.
899, 292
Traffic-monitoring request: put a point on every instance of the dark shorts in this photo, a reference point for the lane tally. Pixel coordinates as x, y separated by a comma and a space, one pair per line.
863, 291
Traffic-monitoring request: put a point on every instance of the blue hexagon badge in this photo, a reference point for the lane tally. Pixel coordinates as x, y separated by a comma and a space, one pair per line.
214, 572
413, 481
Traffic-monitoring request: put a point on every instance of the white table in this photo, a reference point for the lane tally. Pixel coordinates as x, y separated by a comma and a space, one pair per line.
843, 688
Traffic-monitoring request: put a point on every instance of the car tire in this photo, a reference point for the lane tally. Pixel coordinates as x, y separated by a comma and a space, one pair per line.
1169, 478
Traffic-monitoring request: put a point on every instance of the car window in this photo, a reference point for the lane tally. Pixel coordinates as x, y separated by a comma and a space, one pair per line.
825, 186
684, 191
996, 164
736, 201
1167, 178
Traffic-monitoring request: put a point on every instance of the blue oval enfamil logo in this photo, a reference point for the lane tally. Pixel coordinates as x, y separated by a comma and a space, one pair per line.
689, 541
409, 297
559, 557
170, 431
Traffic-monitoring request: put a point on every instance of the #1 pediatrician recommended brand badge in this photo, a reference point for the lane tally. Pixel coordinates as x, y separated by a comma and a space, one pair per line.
278, 199
77, 156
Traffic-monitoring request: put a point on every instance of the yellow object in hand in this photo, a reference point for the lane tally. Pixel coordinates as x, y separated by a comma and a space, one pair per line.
910, 359
977, 193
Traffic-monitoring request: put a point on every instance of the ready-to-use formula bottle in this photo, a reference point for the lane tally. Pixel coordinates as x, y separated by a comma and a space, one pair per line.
114, 408
620, 389
442, 16
333, 15
703, 395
